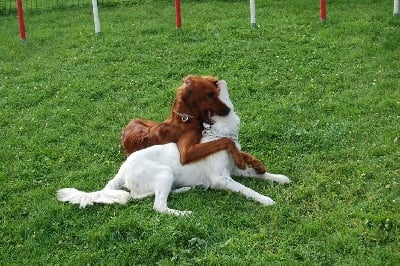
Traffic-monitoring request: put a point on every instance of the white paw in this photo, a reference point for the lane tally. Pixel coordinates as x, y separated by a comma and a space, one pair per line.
184, 213
178, 213
174, 212
266, 201
181, 190
281, 179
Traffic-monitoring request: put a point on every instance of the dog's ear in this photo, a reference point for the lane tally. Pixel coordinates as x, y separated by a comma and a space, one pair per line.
185, 90
188, 81
186, 94
212, 79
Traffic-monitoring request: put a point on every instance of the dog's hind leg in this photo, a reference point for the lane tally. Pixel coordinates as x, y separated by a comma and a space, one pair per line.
227, 183
118, 181
162, 187
115, 184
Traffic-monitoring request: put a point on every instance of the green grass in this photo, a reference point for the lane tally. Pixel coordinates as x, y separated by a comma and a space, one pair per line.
318, 102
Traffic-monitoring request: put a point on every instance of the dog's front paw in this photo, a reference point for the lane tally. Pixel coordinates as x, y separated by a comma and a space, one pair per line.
257, 165
260, 168
281, 179
266, 201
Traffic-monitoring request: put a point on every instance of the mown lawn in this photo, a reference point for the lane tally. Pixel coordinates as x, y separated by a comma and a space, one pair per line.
319, 103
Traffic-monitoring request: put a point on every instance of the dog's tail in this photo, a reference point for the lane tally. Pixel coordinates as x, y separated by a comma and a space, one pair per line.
111, 193
106, 196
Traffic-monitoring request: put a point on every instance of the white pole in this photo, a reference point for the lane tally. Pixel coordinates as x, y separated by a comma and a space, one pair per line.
253, 14
96, 17
396, 8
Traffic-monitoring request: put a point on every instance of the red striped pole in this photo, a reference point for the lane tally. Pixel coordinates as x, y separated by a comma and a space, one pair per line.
178, 13
322, 12
21, 21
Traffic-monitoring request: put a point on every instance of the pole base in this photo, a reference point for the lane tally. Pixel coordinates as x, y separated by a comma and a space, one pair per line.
254, 25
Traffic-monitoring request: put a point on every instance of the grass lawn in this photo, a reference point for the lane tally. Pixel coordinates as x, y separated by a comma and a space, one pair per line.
319, 103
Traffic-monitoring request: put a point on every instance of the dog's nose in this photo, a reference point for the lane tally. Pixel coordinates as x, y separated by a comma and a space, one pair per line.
223, 111
228, 110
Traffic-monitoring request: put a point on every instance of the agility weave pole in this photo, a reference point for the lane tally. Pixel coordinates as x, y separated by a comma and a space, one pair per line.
178, 14
322, 10
21, 21
253, 14
179, 18
96, 17
253, 22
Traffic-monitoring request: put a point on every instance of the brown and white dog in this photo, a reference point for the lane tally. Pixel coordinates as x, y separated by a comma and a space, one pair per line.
157, 170
196, 101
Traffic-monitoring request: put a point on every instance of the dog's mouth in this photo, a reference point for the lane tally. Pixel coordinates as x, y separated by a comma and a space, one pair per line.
210, 113
209, 116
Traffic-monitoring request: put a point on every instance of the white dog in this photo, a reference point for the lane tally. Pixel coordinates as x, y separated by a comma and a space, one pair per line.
157, 170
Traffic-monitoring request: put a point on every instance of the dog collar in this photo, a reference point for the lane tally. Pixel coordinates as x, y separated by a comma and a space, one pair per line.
210, 132
184, 117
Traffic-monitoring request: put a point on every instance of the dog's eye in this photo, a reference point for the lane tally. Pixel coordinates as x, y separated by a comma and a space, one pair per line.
211, 95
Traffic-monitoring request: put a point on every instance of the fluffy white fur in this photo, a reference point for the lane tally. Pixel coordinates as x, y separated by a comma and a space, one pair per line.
157, 170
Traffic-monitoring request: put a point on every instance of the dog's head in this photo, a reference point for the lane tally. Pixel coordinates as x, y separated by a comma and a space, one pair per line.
224, 94
201, 96
230, 123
